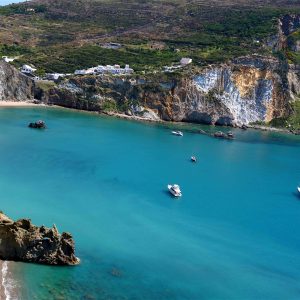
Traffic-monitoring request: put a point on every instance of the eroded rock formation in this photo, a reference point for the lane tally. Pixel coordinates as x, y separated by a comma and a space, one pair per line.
23, 241
14, 86
246, 90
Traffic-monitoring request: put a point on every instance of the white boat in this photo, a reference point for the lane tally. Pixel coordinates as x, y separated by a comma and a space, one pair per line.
298, 189
179, 133
193, 159
174, 189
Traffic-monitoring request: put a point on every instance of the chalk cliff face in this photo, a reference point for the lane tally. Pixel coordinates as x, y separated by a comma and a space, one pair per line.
14, 86
247, 90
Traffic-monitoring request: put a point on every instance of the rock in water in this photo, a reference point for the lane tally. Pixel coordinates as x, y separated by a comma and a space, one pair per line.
38, 124
220, 134
23, 241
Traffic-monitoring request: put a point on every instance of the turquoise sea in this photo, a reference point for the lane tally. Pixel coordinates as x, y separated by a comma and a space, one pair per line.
234, 235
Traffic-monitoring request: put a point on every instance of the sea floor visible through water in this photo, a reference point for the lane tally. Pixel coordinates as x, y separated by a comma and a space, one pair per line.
233, 235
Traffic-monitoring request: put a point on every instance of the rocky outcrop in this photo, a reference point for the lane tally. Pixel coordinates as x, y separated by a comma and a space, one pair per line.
248, 89
14, 86
287, 25
107, 94
37, 125
23, 241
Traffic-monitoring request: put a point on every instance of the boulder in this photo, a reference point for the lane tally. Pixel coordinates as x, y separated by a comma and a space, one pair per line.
38, 124
220, 134
23, 241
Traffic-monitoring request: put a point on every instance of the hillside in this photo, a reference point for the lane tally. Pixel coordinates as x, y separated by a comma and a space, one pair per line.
64, 35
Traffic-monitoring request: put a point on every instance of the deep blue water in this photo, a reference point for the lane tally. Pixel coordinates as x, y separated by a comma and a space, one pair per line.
233, 235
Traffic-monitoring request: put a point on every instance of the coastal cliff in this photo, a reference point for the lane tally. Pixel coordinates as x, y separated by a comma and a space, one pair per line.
245, 90
14, 86
23, 241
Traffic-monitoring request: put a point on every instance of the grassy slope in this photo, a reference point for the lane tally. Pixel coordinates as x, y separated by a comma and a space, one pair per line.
64, 35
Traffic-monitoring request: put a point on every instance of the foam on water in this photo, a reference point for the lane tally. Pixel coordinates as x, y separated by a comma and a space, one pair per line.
9, 285
104, 180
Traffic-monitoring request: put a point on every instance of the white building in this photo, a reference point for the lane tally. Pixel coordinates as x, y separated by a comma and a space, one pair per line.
185, 61
114, 46
8, 59
54, 76
128, 70
28, 69
108, 69
89, 71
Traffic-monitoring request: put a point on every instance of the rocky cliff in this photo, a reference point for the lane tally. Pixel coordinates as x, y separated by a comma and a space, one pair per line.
22, 241
245, 90
14, 86
248, 89
287, 25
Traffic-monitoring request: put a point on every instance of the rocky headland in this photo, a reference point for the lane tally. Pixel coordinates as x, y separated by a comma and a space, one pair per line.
247, 90
15, 86
22, 241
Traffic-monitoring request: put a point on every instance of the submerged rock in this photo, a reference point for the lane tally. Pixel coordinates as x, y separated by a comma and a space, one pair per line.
23, 241
38, 124
220, 134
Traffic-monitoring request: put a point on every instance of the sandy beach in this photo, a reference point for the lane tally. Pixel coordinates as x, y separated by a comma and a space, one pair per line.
18, 103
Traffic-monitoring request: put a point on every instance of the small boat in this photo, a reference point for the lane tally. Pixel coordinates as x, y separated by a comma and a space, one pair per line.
193, 159
230, 135
298, 189
179, 133
174, 189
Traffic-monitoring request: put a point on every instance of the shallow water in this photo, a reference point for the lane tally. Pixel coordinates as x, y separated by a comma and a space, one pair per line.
233, 235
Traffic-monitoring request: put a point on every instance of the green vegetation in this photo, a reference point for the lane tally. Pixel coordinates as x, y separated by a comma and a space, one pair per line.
14, 50
292, 122
65, 35
109, 106
68, 59
21, 9
293, 39
45, 85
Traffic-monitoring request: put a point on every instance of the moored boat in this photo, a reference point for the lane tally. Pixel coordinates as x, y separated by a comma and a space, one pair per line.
230, 135
193, 159
174, 189
178, 133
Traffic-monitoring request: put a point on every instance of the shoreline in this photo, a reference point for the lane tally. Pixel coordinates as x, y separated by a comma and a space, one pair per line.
20, 104
271, 129
31, 103
9, 288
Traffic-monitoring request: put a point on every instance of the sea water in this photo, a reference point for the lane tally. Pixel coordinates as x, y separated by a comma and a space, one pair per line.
235, 233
